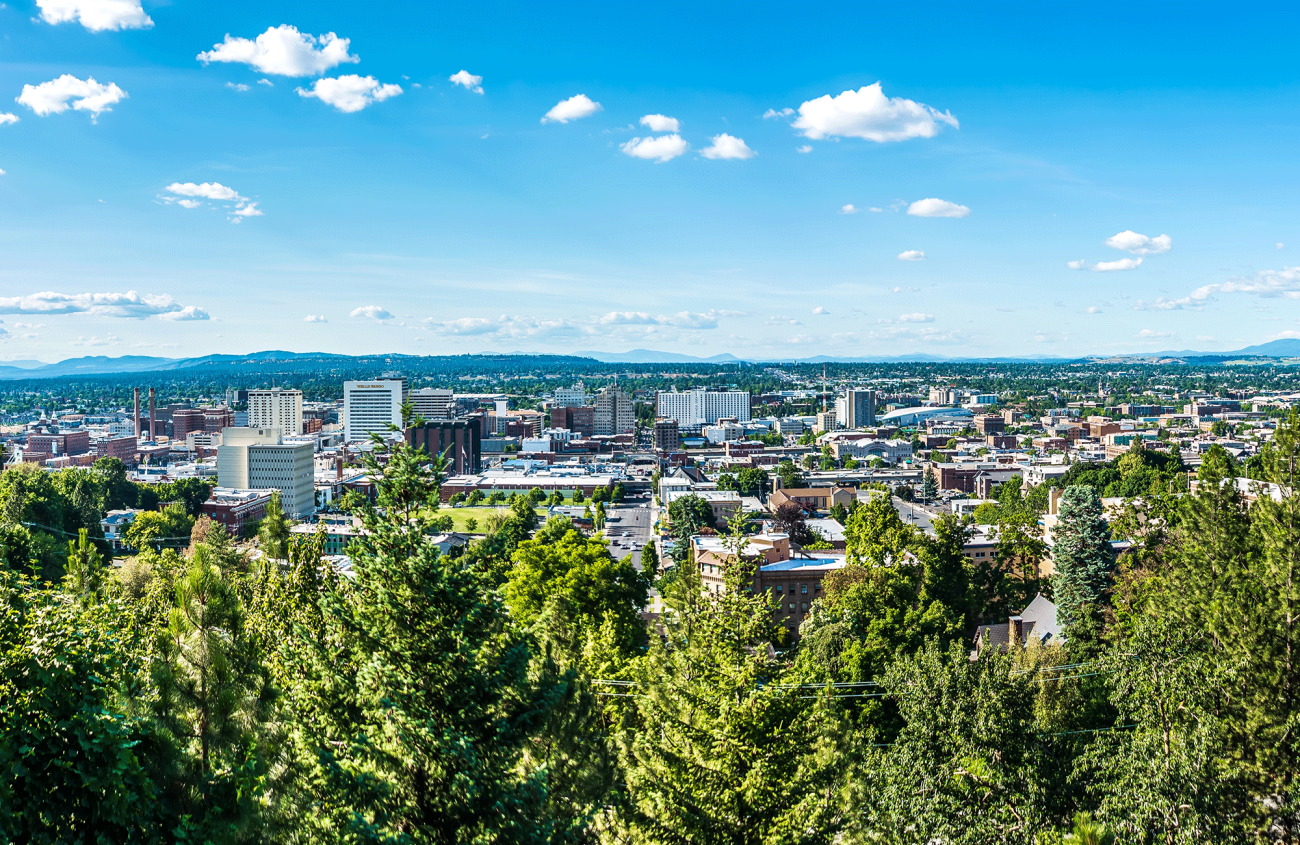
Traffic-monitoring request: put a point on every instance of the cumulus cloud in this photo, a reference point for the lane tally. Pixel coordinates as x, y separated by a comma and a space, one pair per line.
58, 95
820, 310
1093, 309
268, 83
350, 92
467, 80
916, 318
236, 86
849, 209
96, 15
315, 318
575, 108
773, 114
1270, 284
206, 190
188, 203
660, 148
1150, 334
932, 207
806, 148
868, 113
661, 123
189, 312
283, 51
1131, 241
6, 118
1106, 266
373, 312
726, 146
1161, 303
248, 209
129, 305
911, 255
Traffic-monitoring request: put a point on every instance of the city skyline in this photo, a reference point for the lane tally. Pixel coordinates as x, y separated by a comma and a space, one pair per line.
841, 181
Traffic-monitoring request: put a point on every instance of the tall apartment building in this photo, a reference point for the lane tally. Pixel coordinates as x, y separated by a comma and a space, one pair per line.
257, 459
570, 397
431, 403
371, 407
185, 421
699, 407
216, 419
614, 412
856, 408
275, 408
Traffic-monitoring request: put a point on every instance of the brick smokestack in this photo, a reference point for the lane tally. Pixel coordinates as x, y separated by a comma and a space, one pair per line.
153, 417
136, 417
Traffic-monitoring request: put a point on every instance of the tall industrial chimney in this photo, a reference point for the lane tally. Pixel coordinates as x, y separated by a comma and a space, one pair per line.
153, 418
136, 418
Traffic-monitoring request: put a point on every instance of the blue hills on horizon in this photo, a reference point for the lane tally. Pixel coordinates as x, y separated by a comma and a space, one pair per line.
104, 365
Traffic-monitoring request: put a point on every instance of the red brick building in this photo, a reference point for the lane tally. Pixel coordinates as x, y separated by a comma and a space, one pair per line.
237, 510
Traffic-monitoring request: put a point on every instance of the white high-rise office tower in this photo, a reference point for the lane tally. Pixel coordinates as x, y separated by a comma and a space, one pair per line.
370, 407
255, 459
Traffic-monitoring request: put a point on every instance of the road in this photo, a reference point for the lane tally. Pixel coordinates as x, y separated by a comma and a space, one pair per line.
628, 530
912, 514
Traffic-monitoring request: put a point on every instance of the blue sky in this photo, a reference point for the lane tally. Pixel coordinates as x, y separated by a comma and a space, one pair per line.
407, 213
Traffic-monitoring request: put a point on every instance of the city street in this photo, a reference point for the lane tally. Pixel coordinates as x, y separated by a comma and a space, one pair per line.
913, 514
628, 530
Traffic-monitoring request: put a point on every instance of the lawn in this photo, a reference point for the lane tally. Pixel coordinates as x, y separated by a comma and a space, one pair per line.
459, 516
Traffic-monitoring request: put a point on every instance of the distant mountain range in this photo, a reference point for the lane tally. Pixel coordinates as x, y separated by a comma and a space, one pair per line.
103, 365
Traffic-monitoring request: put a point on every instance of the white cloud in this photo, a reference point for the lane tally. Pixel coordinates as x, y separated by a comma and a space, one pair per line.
315, 318
95, 340
188, 203
932, 207
661, 148
6, 118
806, 148
773, 114
660, 123
85, 95
129, 305
1093, 309
916, 318
189, 312
1205, 337
849, 209
284, 51
467, 80
1131, 241
1105, 266
868, 113
821, 310
373, 312
96, 15
576, 107
636, 324
875, 210
247, 209
727, 147
350, 92
911, 255
1278, 245
1149, 334
206, 190
1163, 304
268, 83
236, 86
1284, 283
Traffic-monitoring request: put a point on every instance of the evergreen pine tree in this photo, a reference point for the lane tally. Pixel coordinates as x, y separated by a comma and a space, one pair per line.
929, 485
273, 530
715, 749
1084, 565
84, 575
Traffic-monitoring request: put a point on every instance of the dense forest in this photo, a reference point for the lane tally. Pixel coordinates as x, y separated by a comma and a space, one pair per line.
514, 693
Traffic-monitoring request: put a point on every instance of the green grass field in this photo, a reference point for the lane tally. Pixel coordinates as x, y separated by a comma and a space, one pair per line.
459, 516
